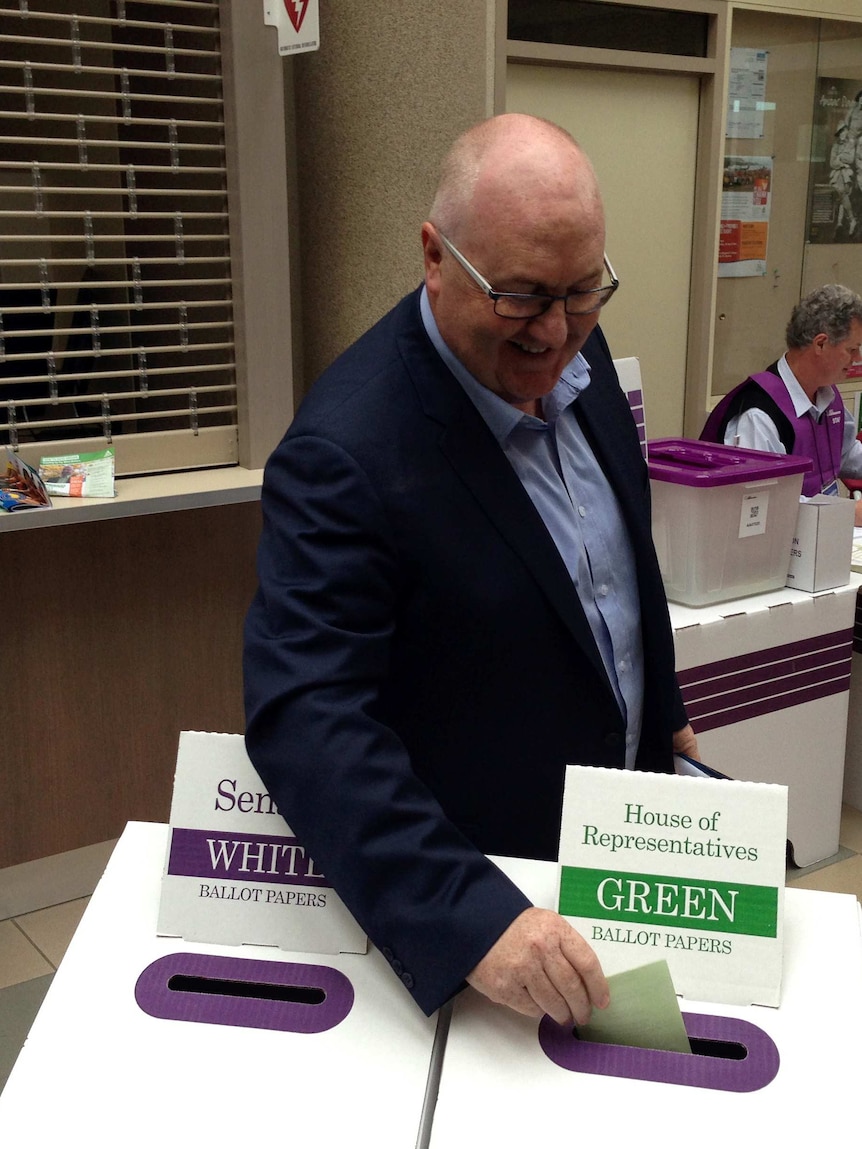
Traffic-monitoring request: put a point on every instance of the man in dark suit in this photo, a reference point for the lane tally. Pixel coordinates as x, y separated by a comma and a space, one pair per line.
458, 589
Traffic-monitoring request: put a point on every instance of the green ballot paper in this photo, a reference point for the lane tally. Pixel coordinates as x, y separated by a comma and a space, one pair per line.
644, 1012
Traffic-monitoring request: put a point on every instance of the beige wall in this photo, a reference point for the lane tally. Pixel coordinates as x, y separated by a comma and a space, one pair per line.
647, 180
376, 108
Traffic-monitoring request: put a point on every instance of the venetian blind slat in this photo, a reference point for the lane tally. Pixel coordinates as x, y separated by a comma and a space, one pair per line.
115, 273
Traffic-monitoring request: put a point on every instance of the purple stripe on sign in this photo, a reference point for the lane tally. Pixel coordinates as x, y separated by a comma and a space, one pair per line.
286, 996
636, 403
766, 681
241, 857
752, 1064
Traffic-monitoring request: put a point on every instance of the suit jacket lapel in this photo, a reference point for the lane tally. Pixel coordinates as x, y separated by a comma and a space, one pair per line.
474, 453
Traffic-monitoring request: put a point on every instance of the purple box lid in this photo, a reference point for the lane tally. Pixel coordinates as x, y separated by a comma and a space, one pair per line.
692, 463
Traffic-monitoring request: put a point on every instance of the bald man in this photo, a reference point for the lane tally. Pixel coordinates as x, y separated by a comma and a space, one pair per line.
458, 589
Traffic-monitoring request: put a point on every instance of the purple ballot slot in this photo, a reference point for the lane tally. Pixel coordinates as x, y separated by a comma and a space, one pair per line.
727, 1053
243, 991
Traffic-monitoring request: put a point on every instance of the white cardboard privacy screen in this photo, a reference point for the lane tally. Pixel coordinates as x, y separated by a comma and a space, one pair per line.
234, 872
687, 869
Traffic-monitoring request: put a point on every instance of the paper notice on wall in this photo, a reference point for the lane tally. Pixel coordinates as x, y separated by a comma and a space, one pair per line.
746, 93
746, 201
298, 24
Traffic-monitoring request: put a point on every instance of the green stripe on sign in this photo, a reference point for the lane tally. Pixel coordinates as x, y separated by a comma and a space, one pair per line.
697, 904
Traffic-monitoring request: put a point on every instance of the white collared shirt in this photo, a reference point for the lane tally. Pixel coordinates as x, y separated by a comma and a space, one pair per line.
755, 430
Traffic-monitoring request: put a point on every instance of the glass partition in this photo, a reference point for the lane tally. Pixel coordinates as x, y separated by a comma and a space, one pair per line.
792, 198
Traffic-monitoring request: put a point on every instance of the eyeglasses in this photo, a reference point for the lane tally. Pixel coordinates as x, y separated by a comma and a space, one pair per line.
525, 305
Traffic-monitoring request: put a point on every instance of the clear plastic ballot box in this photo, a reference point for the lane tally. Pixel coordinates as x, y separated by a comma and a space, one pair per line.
723, 518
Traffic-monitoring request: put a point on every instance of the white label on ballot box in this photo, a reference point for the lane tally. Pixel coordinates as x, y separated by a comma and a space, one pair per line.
687, 869
235, 873
752, 518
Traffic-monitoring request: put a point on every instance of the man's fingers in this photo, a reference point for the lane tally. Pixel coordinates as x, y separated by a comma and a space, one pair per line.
542, 965
565, 1004
583, 958
685, 742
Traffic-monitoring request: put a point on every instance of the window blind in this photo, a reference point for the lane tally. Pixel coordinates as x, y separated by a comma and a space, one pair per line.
116, 323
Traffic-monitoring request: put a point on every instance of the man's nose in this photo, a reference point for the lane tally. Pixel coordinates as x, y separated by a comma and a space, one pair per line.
552, 325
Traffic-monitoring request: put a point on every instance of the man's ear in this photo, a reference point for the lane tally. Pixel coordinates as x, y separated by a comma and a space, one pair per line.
432, 250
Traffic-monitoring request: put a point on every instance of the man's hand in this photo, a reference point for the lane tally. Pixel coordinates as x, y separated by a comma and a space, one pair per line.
685, 742
542, 965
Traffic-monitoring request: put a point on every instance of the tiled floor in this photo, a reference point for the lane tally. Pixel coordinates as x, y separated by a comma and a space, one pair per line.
40, 908
33, 941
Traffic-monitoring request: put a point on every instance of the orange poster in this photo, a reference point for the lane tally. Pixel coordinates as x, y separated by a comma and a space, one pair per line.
745, 205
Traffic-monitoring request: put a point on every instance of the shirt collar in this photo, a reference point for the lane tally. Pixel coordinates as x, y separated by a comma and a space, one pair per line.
502, 417
801, 403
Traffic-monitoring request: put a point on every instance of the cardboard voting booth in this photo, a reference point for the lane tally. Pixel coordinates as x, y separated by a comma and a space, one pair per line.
762, 1075
766, 681
145, 1040
149, 1039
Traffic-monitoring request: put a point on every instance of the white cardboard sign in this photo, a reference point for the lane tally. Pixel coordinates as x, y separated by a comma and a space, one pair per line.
234, 872
687, 869
298, 24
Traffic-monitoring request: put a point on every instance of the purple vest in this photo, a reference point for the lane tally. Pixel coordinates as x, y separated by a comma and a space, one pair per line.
821, 441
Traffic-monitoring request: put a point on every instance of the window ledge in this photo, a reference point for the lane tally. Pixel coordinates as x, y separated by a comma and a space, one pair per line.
149, 495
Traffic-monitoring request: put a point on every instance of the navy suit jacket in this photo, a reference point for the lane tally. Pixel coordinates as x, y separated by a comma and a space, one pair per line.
418, 667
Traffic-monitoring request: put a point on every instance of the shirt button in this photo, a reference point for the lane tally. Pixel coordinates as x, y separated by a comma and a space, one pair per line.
603, 589
582, 511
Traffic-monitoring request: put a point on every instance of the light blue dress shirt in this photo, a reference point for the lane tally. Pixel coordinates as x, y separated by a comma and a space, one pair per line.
559, 472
